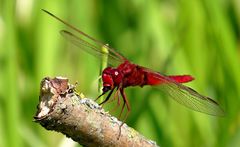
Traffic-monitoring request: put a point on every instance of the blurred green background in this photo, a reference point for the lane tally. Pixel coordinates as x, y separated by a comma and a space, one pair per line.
200, 37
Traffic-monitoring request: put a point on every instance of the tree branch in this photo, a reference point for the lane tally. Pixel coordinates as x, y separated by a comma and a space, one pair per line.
63, 110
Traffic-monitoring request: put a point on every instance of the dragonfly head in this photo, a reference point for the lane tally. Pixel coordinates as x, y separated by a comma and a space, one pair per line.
111, 78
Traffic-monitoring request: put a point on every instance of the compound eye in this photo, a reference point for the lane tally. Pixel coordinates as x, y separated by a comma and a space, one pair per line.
106, 89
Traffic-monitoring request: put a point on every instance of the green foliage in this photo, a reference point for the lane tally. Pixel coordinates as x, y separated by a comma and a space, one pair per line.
198, 37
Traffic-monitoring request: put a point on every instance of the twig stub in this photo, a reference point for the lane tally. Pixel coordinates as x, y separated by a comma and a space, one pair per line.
61, 109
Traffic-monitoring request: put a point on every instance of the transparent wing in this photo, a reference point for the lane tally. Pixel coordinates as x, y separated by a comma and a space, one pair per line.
114, 58
187, 96
97, 49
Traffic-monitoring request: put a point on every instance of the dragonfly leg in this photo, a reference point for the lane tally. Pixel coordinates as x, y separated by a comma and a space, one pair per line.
107, 98
125, 101
118, 101
99, 96
114, 97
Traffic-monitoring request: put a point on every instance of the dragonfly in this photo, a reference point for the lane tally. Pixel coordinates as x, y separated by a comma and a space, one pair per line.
122, 73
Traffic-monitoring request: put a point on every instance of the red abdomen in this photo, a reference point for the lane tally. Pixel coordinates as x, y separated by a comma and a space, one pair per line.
157, 78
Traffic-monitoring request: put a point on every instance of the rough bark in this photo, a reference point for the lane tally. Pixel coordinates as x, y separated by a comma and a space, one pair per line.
63, 110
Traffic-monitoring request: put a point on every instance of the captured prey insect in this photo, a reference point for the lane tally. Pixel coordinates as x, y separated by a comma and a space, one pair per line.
122, 73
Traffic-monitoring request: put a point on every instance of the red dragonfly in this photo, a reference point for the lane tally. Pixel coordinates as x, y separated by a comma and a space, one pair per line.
122, 73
